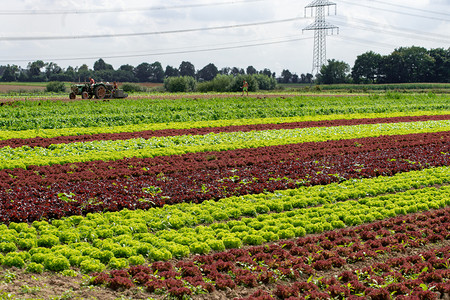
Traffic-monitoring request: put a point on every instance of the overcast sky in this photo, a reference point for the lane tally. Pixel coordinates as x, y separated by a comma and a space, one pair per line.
227, 33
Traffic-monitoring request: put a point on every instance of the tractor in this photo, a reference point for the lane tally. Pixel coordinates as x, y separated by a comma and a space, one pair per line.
98, 90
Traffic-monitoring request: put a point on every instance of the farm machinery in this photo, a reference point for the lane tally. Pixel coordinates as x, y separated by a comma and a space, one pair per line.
98, 90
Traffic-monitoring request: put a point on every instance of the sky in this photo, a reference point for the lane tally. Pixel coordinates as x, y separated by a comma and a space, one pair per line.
227, 33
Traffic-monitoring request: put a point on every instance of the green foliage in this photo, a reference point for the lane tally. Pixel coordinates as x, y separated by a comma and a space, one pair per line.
56, 263
232, 242
181, 84
56, 87
47, 240
33, 267
118, 263
7, 247
136, 260
199, 248
133, 88
91, 265
13, 259
253, 239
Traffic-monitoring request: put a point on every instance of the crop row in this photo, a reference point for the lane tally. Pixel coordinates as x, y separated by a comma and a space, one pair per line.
49, 192
303, 261
24, 156
50, 115
115, 240
234, 159
68, 136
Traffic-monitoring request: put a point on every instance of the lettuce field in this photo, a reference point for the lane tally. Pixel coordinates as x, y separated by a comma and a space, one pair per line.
226, 197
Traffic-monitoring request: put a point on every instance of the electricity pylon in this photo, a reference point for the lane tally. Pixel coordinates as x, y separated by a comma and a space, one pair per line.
321, 30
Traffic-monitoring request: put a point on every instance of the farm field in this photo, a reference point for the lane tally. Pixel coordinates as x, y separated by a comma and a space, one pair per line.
280, 196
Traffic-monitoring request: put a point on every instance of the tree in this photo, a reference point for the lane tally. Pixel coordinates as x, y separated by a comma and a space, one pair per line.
84, 73
171, 72
187, 69
267, 72
9, 73
286, 76
34, 70
143, 72
251, 70
126, 68
441, 69
408, 64
100, 65
156, 72
367, 67
225, 71
207, 73
235, 71
334, 72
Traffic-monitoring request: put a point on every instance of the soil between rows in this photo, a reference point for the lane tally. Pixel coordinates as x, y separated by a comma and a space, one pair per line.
53, 285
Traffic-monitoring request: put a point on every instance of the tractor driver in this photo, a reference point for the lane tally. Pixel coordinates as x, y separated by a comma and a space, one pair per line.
91, 82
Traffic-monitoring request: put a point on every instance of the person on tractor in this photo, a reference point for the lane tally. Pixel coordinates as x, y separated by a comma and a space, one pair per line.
91, 82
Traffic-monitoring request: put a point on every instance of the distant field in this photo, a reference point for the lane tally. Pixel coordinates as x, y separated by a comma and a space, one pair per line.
7, 87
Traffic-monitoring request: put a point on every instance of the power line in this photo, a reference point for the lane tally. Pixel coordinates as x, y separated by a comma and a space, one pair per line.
392, 11
412, 8
116, 10
167, 52
94, 36
404, 29
397, 34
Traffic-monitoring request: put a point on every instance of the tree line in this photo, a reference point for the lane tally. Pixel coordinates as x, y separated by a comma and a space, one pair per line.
403, 65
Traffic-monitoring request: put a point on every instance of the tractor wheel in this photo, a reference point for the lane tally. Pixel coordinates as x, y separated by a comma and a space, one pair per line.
84, 95
100, 92
72, 95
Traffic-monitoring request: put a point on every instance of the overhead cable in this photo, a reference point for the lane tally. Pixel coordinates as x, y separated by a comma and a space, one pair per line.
103, 10
166, 52
115, 35
395, 11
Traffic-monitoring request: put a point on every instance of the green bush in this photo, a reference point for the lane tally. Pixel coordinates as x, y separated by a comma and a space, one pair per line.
236, 84
221, 83
133, 88
55, 87
265, 82
180, 84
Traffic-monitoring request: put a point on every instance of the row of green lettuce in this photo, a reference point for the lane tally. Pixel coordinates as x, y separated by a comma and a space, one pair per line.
32, 115
108, 150
115, 240
74, 131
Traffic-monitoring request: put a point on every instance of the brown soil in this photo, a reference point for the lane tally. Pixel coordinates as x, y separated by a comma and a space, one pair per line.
55, 286
6, 88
